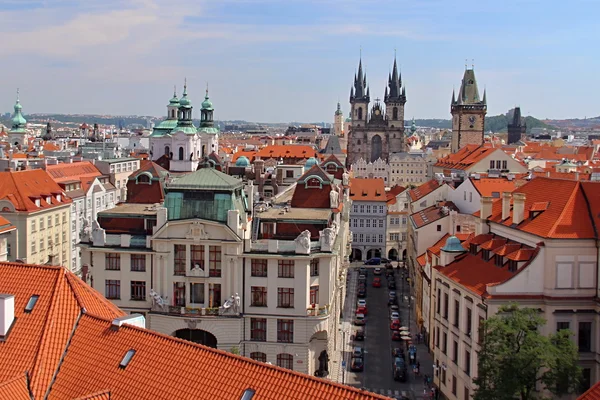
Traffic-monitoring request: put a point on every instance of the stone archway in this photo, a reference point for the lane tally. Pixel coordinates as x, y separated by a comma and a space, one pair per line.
404, 254
318, 362
393, 254
372, 253
197, 336
376, 148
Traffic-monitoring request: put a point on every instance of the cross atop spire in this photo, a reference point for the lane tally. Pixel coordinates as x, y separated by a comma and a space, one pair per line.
207, 89
17, 94
174, 90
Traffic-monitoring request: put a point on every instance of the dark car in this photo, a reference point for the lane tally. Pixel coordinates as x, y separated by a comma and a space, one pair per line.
400, 369
373, 261
394, 307
362, 293
363, 270
392, 300
357, 364
385, 260
398, 352
392, 285
359, 335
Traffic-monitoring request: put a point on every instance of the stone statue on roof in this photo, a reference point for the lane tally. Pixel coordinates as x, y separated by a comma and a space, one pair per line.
158, 303
303, 243
345, 178
333, 198
327, 239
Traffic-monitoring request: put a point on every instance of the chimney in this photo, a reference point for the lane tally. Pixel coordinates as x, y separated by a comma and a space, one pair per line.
7, 313
486, 207
518, 208
505, 205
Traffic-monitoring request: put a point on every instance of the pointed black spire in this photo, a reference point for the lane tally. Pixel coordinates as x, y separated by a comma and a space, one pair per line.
359, 90
394, 83
453, 97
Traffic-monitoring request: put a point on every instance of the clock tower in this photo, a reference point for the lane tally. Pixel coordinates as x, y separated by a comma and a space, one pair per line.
468, 113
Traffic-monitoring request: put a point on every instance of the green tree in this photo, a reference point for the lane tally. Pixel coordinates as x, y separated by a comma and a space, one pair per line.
515, 357
235, 350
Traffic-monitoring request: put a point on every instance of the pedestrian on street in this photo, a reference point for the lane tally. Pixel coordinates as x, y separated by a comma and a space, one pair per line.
425, 380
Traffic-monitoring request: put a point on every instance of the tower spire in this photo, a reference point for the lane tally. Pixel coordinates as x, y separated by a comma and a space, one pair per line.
207, 90
174, 90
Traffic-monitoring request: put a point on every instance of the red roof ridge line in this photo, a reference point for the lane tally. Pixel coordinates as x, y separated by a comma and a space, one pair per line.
562, 212
228, 354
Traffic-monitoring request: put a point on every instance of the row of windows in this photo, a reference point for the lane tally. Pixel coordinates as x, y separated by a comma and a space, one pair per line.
197, 259
137, 262
498, 164
285, 330
466, 361
196, 292
396, 220
285, 296
285, 268
50, 242
409, 171
366, 238
584, 334
394, 237
284, 360
365, 223
124, 167
368, 209
49, 219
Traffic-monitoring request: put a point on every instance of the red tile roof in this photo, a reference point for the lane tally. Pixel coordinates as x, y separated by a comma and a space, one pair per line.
69, 171
494, 243
367, 189
16, 388
521, 255
424, 189
593, 393
466, 156
70, 349
312, 197
5, 225
287, 151
487, 186
21, 188
393, 192
568, 215
431, 214
482, 238
507, 249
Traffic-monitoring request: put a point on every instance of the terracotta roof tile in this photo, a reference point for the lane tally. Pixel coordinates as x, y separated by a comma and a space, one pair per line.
69, 171
424, 189
306, 196
102, 395
466, 156
539, 206
431, 214
494, 243
5, 225
367, 189
507, 249
15, 388
521, 255
488, 186
593, 393
22, 188
287, 151
195, 371
482, 238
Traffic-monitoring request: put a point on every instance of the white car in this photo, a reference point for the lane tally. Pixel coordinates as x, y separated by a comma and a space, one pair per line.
394, 315
361, 303
377, 271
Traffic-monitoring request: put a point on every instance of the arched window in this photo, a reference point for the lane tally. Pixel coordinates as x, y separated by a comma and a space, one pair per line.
359, 112
172, 113
143, 179
258, 356
181, 153
167, 150
313, 183
285, 360
395, 113
358, 142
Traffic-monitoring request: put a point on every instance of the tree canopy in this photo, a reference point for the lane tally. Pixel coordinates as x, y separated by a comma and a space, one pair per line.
516, 360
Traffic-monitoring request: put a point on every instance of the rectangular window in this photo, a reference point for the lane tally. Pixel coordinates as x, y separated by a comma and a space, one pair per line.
439, 228
368, 209
362, 209
258, 329
456, 313
354, 222
404, 218
258, 296
214, 261
179, 293
138, 262
197, 293
445, 343
49, 221
64, 237
368, 223
64, 217
454, 385
197, 256
361, 223
314, 267
480, 330
439, 301
56, 242
381, 223
437, 337
57, 220
314, 294
33, 226
113, 261
467, 394
112, 289
498, 164
258, 267
455, 352
585, 337
468, 362
360, 237
285, 268
380, 238
179, 254
367, 238
214, 295
446, 305
41, 244
381, 210
138, 290
563, 325
285, 330
469, 322
492, 164
504, 164
586, 380
290, 174
285, 297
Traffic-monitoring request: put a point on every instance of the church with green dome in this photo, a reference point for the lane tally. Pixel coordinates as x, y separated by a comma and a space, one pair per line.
18, 134
178, 140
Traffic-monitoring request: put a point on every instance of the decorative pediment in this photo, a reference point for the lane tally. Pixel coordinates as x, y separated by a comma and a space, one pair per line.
197, 231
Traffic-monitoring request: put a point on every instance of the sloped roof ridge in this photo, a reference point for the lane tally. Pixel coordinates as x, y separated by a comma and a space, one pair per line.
246, 360
563, 211
71, 279
14, 386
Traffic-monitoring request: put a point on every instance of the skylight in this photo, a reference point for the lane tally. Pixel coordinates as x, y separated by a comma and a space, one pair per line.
31, 303
248, 394
128, 356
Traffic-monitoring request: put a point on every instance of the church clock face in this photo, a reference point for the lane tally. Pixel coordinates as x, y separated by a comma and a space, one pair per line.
472, 120
377, 112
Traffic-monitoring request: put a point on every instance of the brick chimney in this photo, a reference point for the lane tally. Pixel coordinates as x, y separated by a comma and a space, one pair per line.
505, 205
486, 207
7, 313
518, 208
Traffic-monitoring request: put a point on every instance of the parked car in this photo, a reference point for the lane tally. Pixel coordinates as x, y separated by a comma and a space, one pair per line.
359, 335
395, 324
394, 315
362, 293
361, 310
357, 364
362, 277
392, 285
385, 260
392, 301
377, 271
363, 270
400, 369
394, 307
392, 293
377, 282
361, 303
396, 336
359, 320
373, 261
398, 352
357, 351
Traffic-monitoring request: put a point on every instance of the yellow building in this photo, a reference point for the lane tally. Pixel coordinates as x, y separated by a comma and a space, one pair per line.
40, 211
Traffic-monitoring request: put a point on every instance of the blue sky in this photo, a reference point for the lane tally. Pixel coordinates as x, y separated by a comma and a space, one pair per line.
292, 60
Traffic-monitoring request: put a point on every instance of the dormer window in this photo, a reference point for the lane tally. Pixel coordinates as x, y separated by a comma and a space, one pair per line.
313, 183
38, 203
59, 198
48, 199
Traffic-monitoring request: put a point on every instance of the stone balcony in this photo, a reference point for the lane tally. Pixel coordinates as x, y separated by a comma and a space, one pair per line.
193, 312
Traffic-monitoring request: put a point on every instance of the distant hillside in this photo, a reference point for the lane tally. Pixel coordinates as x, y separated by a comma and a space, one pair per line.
499, 123
432, 123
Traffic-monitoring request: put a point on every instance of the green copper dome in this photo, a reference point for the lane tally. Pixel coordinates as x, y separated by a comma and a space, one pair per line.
207, 104
18, 121
339, 110
349, 119
413, 126
185, 101
453, 245
174, 100
309, 163
242, 162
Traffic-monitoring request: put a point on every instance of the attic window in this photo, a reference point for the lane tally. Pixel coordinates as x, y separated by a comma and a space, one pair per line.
38, 202
127, 359
59, 198
48, 199
31, 303
248, 394
496, 195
